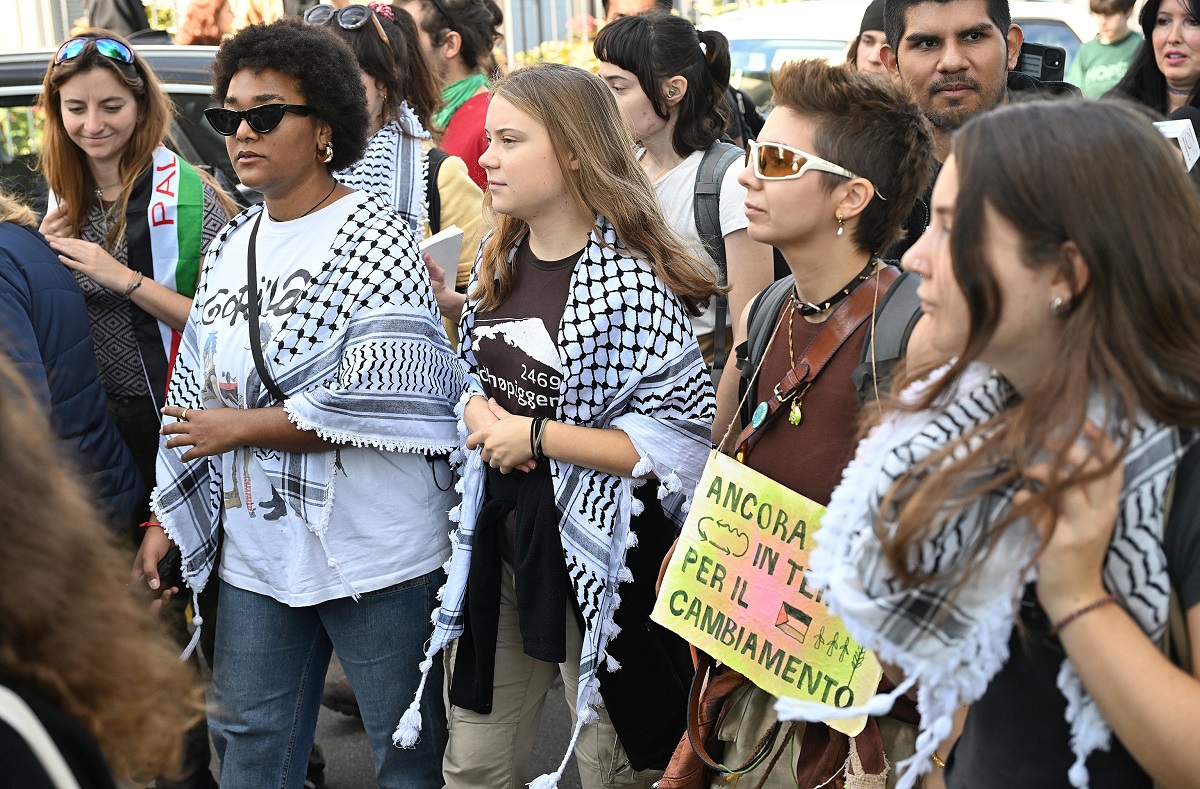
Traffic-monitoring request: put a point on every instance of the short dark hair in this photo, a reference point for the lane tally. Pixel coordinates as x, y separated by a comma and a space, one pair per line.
658, 46
402, 70
872, 127
895, 17
325, 71
666, 6
476, 21
1107, 7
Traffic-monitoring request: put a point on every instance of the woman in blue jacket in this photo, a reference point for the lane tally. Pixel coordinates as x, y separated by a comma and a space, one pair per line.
45, 333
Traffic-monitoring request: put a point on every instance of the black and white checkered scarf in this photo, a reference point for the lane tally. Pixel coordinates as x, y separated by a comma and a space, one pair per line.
950, 637
363, 359
394, 166
632, 363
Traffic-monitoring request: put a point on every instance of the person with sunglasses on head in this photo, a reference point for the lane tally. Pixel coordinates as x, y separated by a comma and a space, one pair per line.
586, 417
428, 187
457, 37
312, 408
130, 217
672, 97
1017, 535
836, 144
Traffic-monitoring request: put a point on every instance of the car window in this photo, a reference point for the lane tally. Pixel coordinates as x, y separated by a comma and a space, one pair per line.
20, 141
1051, 33
754, 59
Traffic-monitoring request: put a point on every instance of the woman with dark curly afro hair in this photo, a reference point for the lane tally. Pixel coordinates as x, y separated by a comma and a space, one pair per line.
314, 356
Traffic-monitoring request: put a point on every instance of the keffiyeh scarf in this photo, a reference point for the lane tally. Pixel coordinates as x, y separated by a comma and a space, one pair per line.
950, 640
395, 166
363, 359
632, 364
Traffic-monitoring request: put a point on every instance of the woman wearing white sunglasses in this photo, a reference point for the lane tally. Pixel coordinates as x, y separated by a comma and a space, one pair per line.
837, 143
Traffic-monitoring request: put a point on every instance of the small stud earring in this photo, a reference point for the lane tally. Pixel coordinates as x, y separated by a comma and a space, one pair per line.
1056, 306
328, 157
841, 225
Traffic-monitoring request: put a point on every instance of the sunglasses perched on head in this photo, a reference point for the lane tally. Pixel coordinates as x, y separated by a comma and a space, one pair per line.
108, 47
351, 17
263, 118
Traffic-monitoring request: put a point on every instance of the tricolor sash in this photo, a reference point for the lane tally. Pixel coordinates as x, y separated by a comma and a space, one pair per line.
163, 227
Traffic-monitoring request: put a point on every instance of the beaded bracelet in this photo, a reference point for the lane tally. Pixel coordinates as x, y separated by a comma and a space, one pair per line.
135, 282
1078, 612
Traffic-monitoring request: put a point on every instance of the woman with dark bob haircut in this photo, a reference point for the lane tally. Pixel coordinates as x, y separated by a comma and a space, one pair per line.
1006, 536
339, 373
670, 81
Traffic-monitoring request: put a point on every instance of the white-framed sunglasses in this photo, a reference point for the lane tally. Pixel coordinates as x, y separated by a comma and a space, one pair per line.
774, 161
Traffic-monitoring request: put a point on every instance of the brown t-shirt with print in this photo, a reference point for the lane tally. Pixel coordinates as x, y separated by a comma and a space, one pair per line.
516, 344
516, 347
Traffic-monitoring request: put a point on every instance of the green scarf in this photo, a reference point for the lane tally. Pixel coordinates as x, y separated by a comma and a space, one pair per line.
456, 95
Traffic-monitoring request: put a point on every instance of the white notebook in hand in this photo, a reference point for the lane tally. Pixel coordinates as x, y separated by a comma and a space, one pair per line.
445, 248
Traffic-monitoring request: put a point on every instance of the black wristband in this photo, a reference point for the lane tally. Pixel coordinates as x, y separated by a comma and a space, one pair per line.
540, 428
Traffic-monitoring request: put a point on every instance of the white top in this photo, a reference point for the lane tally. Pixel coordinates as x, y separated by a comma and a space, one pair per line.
676, 191
388, 519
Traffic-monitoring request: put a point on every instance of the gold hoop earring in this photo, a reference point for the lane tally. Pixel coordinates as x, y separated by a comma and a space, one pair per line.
328, 157
841, 225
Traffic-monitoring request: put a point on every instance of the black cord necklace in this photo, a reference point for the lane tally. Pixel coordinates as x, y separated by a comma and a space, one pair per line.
314, 208
809, 309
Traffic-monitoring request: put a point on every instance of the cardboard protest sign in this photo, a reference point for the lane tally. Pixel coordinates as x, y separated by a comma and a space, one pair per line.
736, 588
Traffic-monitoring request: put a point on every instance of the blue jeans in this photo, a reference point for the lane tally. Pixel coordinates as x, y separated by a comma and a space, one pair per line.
269, 671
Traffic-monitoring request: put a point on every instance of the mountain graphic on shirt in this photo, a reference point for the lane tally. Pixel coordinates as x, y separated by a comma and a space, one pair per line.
528, 335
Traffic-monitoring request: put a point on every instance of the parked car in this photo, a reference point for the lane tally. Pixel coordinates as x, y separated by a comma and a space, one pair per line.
184, 73
762, 38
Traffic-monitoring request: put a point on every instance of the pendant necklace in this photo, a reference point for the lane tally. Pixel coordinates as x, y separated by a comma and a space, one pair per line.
805, 308
106, 213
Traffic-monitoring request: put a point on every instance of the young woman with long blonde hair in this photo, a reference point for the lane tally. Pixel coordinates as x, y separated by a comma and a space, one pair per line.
585, 382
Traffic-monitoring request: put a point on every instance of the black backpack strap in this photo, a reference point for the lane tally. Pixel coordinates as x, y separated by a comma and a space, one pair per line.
707, 210
760, 322
433, 198
897, 314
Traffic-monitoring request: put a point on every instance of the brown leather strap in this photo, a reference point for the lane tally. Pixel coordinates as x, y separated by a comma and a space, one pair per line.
696, 736
838, 327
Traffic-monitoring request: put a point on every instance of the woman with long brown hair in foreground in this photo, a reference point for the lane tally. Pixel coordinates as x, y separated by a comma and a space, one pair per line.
1001, 537
76, 647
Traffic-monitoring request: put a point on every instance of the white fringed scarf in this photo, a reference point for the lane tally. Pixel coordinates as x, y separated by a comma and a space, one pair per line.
363, 359
950, 640
394, 166
632, 363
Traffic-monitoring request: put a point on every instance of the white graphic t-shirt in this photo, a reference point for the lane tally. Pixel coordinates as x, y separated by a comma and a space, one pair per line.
388, 521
